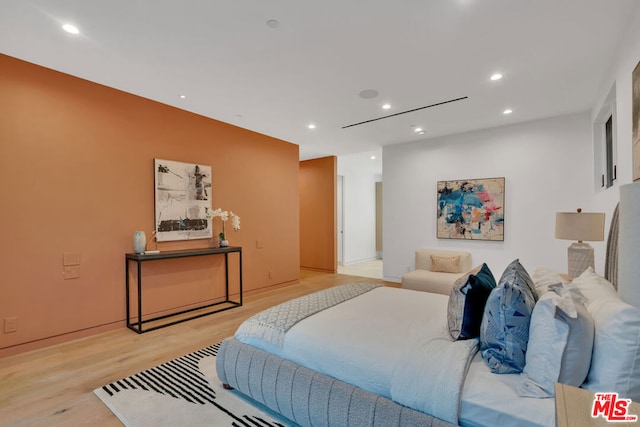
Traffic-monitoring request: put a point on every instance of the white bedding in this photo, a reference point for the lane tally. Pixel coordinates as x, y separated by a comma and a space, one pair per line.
362, 340
491, 400
431, 376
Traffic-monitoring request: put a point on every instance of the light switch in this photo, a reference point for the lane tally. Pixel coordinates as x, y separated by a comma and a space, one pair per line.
71, 258
71, 272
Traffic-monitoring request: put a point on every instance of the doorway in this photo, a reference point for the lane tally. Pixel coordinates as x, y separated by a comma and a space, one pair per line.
340, 215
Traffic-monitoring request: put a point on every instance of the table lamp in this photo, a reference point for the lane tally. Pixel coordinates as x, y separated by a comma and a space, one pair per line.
582, 227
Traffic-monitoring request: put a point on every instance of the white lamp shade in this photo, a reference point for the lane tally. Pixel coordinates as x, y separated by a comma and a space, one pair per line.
580, 226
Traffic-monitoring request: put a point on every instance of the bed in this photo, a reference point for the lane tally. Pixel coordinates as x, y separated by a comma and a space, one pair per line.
385, 356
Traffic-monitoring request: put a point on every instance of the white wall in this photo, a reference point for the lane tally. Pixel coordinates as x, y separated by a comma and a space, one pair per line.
627, 58
547, 165
360, 175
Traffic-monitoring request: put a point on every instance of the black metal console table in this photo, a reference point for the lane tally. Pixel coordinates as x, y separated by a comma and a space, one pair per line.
140, 258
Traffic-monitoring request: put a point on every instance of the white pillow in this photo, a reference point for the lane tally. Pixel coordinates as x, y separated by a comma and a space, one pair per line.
560, 343
615, 362
543, 278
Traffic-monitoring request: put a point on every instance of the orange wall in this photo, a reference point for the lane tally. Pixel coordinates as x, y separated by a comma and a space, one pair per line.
76, 174
318, 187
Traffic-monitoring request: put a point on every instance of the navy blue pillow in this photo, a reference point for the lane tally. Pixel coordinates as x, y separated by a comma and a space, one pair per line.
466, 303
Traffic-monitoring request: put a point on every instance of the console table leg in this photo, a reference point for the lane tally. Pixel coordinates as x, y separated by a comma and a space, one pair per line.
226, 275
240, 271
126, 269
139, 297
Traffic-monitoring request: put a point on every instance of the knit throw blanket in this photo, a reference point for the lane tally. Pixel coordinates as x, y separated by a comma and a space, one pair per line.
271, 325
430, 377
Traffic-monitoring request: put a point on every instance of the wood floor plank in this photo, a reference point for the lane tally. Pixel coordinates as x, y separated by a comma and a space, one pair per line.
54, 386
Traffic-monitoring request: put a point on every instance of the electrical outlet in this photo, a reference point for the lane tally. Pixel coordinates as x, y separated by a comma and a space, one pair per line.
71, 272
71, 258
10, 324
259, 244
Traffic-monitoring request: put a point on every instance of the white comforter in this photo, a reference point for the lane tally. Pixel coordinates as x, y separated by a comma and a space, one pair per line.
370, 342
430, 377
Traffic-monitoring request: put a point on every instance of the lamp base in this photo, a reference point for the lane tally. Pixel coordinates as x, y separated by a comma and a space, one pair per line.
580, 258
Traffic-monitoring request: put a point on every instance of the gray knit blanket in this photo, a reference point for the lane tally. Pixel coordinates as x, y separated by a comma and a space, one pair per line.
271, 325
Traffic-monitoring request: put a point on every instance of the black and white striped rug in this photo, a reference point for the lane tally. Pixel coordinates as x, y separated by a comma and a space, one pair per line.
183, 392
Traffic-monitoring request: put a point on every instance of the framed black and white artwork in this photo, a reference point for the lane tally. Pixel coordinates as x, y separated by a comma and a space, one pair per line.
182, 200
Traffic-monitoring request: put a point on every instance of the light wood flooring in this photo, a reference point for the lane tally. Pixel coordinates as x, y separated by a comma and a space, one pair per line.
371, 268
54, 386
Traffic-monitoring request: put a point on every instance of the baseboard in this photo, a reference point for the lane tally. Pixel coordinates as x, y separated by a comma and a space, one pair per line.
59, 339
321, 270
361, 260
270, 288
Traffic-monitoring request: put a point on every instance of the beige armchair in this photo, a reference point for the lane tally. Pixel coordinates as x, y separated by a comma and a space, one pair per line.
423, 278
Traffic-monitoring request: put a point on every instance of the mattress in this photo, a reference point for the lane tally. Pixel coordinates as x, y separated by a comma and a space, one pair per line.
361, 341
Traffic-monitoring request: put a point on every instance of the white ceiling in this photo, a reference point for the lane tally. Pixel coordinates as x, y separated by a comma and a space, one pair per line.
554, 55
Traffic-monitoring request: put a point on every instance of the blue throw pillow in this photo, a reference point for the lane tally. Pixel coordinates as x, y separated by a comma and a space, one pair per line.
466, 303
504, 332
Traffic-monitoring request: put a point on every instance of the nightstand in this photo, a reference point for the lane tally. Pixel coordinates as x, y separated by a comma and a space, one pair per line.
574, 405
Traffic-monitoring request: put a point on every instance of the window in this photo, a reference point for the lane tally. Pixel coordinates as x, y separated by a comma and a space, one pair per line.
610, 169
604, 143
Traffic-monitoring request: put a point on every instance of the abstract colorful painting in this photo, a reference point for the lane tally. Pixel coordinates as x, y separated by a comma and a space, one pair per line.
471, 209
183, 200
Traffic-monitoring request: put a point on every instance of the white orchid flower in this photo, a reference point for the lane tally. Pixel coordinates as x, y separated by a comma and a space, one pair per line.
235, 221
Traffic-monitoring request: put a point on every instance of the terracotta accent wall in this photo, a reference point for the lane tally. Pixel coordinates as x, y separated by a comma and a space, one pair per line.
318, 189
76, 173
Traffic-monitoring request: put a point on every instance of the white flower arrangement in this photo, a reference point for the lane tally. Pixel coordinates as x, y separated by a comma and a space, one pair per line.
235, 221
224, 216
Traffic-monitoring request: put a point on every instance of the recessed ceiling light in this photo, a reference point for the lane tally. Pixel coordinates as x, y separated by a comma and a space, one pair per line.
386, 106
496, 76
373, 157
421, 132
417, 130
69, 28
272, 23
507, 111
183, 97
311, 126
